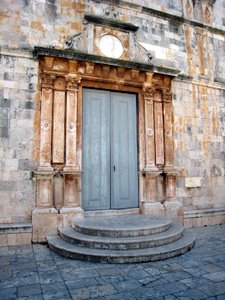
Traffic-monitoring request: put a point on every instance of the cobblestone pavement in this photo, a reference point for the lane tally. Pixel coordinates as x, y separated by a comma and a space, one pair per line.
34, 272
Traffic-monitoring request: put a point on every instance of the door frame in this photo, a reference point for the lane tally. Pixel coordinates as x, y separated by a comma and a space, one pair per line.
115, 87
134, 126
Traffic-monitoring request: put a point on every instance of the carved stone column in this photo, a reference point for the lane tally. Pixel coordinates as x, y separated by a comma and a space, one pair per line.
159, 139
71, 171
44, 216
44, 174
168, 129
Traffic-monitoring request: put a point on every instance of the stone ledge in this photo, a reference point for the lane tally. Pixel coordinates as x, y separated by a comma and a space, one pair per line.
15, 234
15, 228
110, 22
205, 217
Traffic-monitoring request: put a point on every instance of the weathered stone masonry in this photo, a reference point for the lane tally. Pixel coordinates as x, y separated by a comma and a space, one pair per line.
184, 35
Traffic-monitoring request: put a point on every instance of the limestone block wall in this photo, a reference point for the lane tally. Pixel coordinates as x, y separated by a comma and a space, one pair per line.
18, 85
186, 35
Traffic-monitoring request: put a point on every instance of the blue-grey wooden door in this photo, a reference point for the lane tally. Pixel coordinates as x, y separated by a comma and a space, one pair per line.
109, 156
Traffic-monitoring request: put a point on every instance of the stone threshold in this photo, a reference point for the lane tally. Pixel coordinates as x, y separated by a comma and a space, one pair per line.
112, 212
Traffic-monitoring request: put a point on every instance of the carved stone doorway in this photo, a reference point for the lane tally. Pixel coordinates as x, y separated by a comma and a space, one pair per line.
59, 175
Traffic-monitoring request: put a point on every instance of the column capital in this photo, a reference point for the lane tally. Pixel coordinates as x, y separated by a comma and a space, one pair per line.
47, 80
72, 82
167, 95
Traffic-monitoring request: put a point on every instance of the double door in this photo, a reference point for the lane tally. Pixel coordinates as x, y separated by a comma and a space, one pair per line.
109, 158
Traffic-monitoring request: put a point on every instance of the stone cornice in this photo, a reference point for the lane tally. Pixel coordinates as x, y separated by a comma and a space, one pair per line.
110, 22
81, 56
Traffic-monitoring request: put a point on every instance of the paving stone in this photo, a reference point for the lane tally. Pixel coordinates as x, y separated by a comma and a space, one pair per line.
175, 276
216, 276
170, 288
145, 293
191, 294
56, 290
125, 284
214, 289
74, 273
32, 297
8, 293
93, 292
119, 296
81, 283
50, 276
46, 265
155, 271
210, 268
148, 280
29, 290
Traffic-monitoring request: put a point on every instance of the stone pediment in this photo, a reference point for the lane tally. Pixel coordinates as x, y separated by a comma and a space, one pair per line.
109, 38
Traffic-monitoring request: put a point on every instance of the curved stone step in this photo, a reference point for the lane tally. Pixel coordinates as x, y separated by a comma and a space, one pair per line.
122, 226
184, 244
139, 242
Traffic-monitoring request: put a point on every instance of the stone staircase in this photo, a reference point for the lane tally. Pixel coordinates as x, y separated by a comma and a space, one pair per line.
122, 239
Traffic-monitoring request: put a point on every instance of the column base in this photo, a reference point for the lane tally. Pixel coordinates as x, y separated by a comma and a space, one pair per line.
155, 208
45, 221
174, 210
69, 214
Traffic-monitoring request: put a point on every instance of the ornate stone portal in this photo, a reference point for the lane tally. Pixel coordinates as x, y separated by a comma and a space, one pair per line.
63, 74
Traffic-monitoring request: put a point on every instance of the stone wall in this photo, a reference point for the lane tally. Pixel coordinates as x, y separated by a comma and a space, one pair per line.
187, 35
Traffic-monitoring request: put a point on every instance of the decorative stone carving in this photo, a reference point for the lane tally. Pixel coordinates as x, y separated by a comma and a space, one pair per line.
46, 127
142, 54
77, 42
167, 95
47, 80
159, 140
148, 94
58, 126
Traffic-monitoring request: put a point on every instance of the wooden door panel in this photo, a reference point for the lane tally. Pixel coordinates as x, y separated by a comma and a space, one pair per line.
96, 149
124, 181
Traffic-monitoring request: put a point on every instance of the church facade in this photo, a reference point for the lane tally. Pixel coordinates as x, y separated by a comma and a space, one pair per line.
110, 107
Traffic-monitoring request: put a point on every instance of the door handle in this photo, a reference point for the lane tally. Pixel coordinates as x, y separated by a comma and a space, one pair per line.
114, 168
